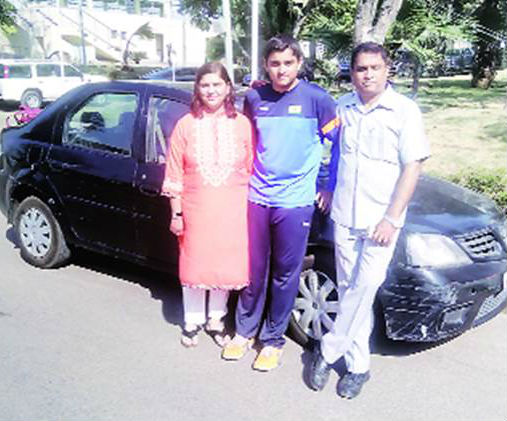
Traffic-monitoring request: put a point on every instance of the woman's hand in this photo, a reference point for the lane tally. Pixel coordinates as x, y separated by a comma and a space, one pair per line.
176, 226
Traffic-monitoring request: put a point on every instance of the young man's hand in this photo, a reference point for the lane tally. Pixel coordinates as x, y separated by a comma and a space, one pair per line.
324, 199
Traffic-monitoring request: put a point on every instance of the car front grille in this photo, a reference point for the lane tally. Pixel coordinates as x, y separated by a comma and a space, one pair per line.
481, 244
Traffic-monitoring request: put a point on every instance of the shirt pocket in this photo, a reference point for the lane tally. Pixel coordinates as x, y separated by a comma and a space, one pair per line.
381, 144
348, 142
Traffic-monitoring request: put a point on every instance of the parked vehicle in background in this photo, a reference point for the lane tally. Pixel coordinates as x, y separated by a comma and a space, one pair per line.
33, 82
459, 61
343, 74
88, 172
181, 74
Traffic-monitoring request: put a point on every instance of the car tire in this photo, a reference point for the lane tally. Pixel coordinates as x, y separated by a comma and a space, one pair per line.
31, 98
40, 237
316, 304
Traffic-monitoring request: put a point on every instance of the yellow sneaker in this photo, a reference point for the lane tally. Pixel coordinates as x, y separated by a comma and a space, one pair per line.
234, 351
268, 359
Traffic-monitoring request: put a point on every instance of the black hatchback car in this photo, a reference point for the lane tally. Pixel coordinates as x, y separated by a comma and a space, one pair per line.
87, 172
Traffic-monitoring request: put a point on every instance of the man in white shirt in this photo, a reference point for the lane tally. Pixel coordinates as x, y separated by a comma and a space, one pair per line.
382, 147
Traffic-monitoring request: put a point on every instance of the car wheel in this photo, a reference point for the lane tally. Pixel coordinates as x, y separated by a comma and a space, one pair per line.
316, 304
32, 99
40, 237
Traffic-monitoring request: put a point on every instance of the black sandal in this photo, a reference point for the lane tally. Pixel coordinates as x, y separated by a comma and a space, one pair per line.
219, 336
189, 338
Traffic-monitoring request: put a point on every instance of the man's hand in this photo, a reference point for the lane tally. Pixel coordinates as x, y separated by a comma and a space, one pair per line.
383, 233
324, 199
258, 83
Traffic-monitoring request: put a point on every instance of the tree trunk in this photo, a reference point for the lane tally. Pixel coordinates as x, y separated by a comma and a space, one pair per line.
373, 21
483, 70
416, 77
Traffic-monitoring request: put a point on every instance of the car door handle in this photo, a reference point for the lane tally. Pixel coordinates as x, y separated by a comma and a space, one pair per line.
149, 190
62, 166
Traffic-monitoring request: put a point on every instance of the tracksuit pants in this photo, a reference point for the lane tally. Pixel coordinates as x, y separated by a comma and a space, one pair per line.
277, 246
361, 267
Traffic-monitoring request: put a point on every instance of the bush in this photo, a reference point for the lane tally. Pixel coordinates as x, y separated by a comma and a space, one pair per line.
490, 183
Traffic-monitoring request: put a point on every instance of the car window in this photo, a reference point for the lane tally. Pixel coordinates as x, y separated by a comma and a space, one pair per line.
21, 71
163, 114
48, 70
105, 122
70, 71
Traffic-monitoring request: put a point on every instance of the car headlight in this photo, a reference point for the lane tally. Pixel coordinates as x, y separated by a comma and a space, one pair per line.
434, 250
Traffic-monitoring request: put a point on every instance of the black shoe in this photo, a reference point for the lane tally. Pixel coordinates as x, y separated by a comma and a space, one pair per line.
350, 384
319, 370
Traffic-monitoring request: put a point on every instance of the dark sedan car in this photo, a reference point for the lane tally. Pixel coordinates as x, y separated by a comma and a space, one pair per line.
87, 172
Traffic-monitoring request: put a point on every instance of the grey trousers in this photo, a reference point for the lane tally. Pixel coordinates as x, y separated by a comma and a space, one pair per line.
361, 267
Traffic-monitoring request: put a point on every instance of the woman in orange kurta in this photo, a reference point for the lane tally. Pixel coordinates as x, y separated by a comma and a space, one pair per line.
208, 168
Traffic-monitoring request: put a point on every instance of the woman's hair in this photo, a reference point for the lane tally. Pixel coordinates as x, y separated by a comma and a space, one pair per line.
196, 107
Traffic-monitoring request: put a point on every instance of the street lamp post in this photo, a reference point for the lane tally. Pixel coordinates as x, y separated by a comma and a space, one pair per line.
255, 40
228, 38
81, 27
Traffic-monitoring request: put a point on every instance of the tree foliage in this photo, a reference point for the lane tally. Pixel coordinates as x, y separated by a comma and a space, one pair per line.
425, 29
7, 11
144, 32
281, 16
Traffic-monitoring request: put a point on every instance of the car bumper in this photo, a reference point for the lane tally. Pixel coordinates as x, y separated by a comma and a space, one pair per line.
422, 305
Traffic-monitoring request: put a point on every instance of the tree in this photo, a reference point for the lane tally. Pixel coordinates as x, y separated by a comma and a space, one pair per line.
491, 21
424, 29
331, 23
144, 32
281, 16
7, 12
373, 19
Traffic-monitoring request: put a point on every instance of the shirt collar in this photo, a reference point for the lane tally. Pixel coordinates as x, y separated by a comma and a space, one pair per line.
386, 100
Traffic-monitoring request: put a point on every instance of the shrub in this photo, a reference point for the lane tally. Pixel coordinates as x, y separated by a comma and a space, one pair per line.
490, 183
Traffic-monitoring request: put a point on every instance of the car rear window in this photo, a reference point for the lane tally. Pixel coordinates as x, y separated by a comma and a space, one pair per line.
163, 114
48, 70
20, 71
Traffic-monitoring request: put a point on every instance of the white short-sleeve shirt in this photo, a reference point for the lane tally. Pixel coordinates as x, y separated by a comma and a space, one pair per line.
375, 144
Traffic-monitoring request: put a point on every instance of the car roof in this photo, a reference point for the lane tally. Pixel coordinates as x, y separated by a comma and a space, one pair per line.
178, 90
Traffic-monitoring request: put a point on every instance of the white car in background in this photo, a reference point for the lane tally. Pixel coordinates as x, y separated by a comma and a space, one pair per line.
33, 82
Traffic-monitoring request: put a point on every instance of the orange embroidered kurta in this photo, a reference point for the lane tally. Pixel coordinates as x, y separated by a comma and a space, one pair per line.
208, 165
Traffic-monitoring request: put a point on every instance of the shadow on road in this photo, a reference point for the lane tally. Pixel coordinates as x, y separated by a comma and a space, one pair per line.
163, 286
10, 235
166, 288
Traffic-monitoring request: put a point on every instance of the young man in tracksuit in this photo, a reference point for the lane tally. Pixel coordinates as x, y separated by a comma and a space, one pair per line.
290, 117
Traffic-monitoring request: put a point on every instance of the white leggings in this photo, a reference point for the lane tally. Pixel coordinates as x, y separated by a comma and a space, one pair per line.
194, 304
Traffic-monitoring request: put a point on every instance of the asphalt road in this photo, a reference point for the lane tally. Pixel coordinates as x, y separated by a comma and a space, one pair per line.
99, 340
